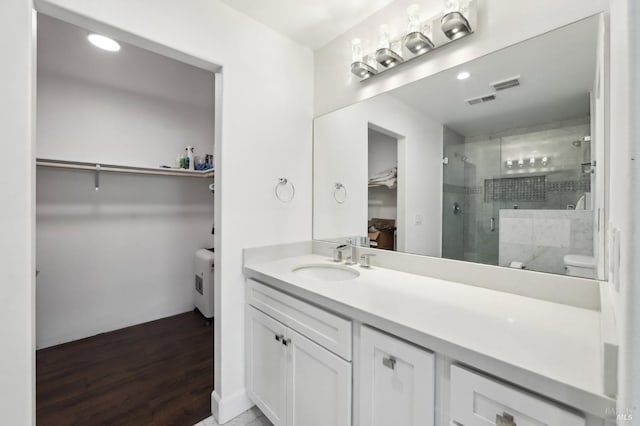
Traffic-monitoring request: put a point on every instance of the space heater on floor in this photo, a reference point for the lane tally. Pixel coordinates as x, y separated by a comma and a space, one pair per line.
203, 290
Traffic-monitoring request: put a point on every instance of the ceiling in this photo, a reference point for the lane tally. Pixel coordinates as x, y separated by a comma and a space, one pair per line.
557, 72
312, 23
63, 51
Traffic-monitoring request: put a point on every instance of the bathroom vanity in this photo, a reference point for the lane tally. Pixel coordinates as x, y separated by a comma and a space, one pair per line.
332, 344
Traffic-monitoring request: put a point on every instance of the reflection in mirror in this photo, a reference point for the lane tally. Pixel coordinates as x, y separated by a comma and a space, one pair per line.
499, 161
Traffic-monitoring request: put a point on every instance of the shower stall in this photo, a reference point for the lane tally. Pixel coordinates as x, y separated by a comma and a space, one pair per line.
520, 197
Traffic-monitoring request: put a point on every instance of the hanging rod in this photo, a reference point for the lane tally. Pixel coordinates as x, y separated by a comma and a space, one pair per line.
79, 165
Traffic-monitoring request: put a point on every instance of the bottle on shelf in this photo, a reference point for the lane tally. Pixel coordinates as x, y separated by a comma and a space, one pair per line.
190, 159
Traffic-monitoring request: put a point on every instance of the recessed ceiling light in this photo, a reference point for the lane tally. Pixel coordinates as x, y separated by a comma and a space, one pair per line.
463, 75
104, 43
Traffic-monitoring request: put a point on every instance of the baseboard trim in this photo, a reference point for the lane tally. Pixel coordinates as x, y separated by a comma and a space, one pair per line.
225, 409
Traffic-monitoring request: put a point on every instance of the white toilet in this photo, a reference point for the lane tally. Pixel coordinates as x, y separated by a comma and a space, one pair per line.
579, 265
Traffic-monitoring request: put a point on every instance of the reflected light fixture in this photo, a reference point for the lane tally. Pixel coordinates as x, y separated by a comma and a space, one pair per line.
463, 75
358, 66
509, 164
454, 23
418, 39
532, 162
544, 161
520, 163
104, 43
385, 55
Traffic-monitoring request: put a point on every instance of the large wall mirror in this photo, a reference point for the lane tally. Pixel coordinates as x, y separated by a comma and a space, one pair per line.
501, 160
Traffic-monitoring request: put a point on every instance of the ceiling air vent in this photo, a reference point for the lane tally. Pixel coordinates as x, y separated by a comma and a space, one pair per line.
481, 99
506, 84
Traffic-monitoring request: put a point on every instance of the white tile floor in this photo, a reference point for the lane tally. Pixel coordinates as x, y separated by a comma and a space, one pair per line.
251, 417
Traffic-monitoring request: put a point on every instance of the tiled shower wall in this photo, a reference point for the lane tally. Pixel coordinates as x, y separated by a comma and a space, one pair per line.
541, 238
478, 177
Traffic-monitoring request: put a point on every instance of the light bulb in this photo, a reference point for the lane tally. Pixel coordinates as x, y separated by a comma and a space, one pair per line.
414, 18
356, 50
383, 37
451, 6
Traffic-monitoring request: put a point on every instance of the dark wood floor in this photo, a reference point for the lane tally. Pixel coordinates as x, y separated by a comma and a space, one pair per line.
158, 373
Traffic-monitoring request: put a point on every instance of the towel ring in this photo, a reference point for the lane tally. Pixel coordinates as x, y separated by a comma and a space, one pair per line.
340, 193
281, 194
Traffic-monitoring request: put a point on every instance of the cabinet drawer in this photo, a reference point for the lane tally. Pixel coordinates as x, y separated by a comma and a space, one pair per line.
477, 400
326, 329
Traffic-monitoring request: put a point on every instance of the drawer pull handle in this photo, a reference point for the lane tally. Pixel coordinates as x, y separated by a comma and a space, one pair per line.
286, 342
389, 362
279, 337
505, 419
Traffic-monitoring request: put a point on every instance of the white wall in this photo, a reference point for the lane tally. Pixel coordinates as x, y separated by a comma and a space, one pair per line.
17, 192
624, 195
267, 108
340, 155
501, 23
116, 257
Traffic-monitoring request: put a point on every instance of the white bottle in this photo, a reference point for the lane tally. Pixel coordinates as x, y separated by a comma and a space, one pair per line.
190, 158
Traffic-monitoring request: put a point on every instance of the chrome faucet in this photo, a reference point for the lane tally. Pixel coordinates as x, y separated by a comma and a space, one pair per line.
337, 252
353, 259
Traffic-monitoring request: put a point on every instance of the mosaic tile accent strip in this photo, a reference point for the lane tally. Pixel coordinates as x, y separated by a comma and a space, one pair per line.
466, 190
531, 188
473, 190
582, 185
453, 189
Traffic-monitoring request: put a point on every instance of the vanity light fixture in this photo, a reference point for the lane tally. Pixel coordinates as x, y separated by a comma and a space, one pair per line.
418, 38
454, 23
544, 161
104, 43
463, 75
358, 65
520, 163
532, 162
509, 164
385, 55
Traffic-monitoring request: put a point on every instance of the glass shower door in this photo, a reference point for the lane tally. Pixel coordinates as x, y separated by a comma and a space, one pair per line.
471, 209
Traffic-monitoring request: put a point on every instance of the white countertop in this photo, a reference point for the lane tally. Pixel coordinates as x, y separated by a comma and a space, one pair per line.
555, 347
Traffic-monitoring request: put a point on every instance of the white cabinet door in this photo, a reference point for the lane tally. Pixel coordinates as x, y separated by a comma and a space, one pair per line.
266, 364
319, 385
397, 383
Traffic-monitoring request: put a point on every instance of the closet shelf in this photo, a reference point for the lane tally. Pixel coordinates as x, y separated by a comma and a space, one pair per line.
79, 165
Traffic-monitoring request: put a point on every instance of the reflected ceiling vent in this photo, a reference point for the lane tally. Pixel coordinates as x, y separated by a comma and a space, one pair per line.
506, 84
481, 99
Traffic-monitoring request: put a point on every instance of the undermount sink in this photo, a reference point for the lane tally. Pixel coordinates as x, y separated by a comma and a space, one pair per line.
326, 272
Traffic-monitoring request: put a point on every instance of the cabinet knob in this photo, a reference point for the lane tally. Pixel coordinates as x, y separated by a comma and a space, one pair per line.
505, 419
389, 362
286, 342
279, 337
